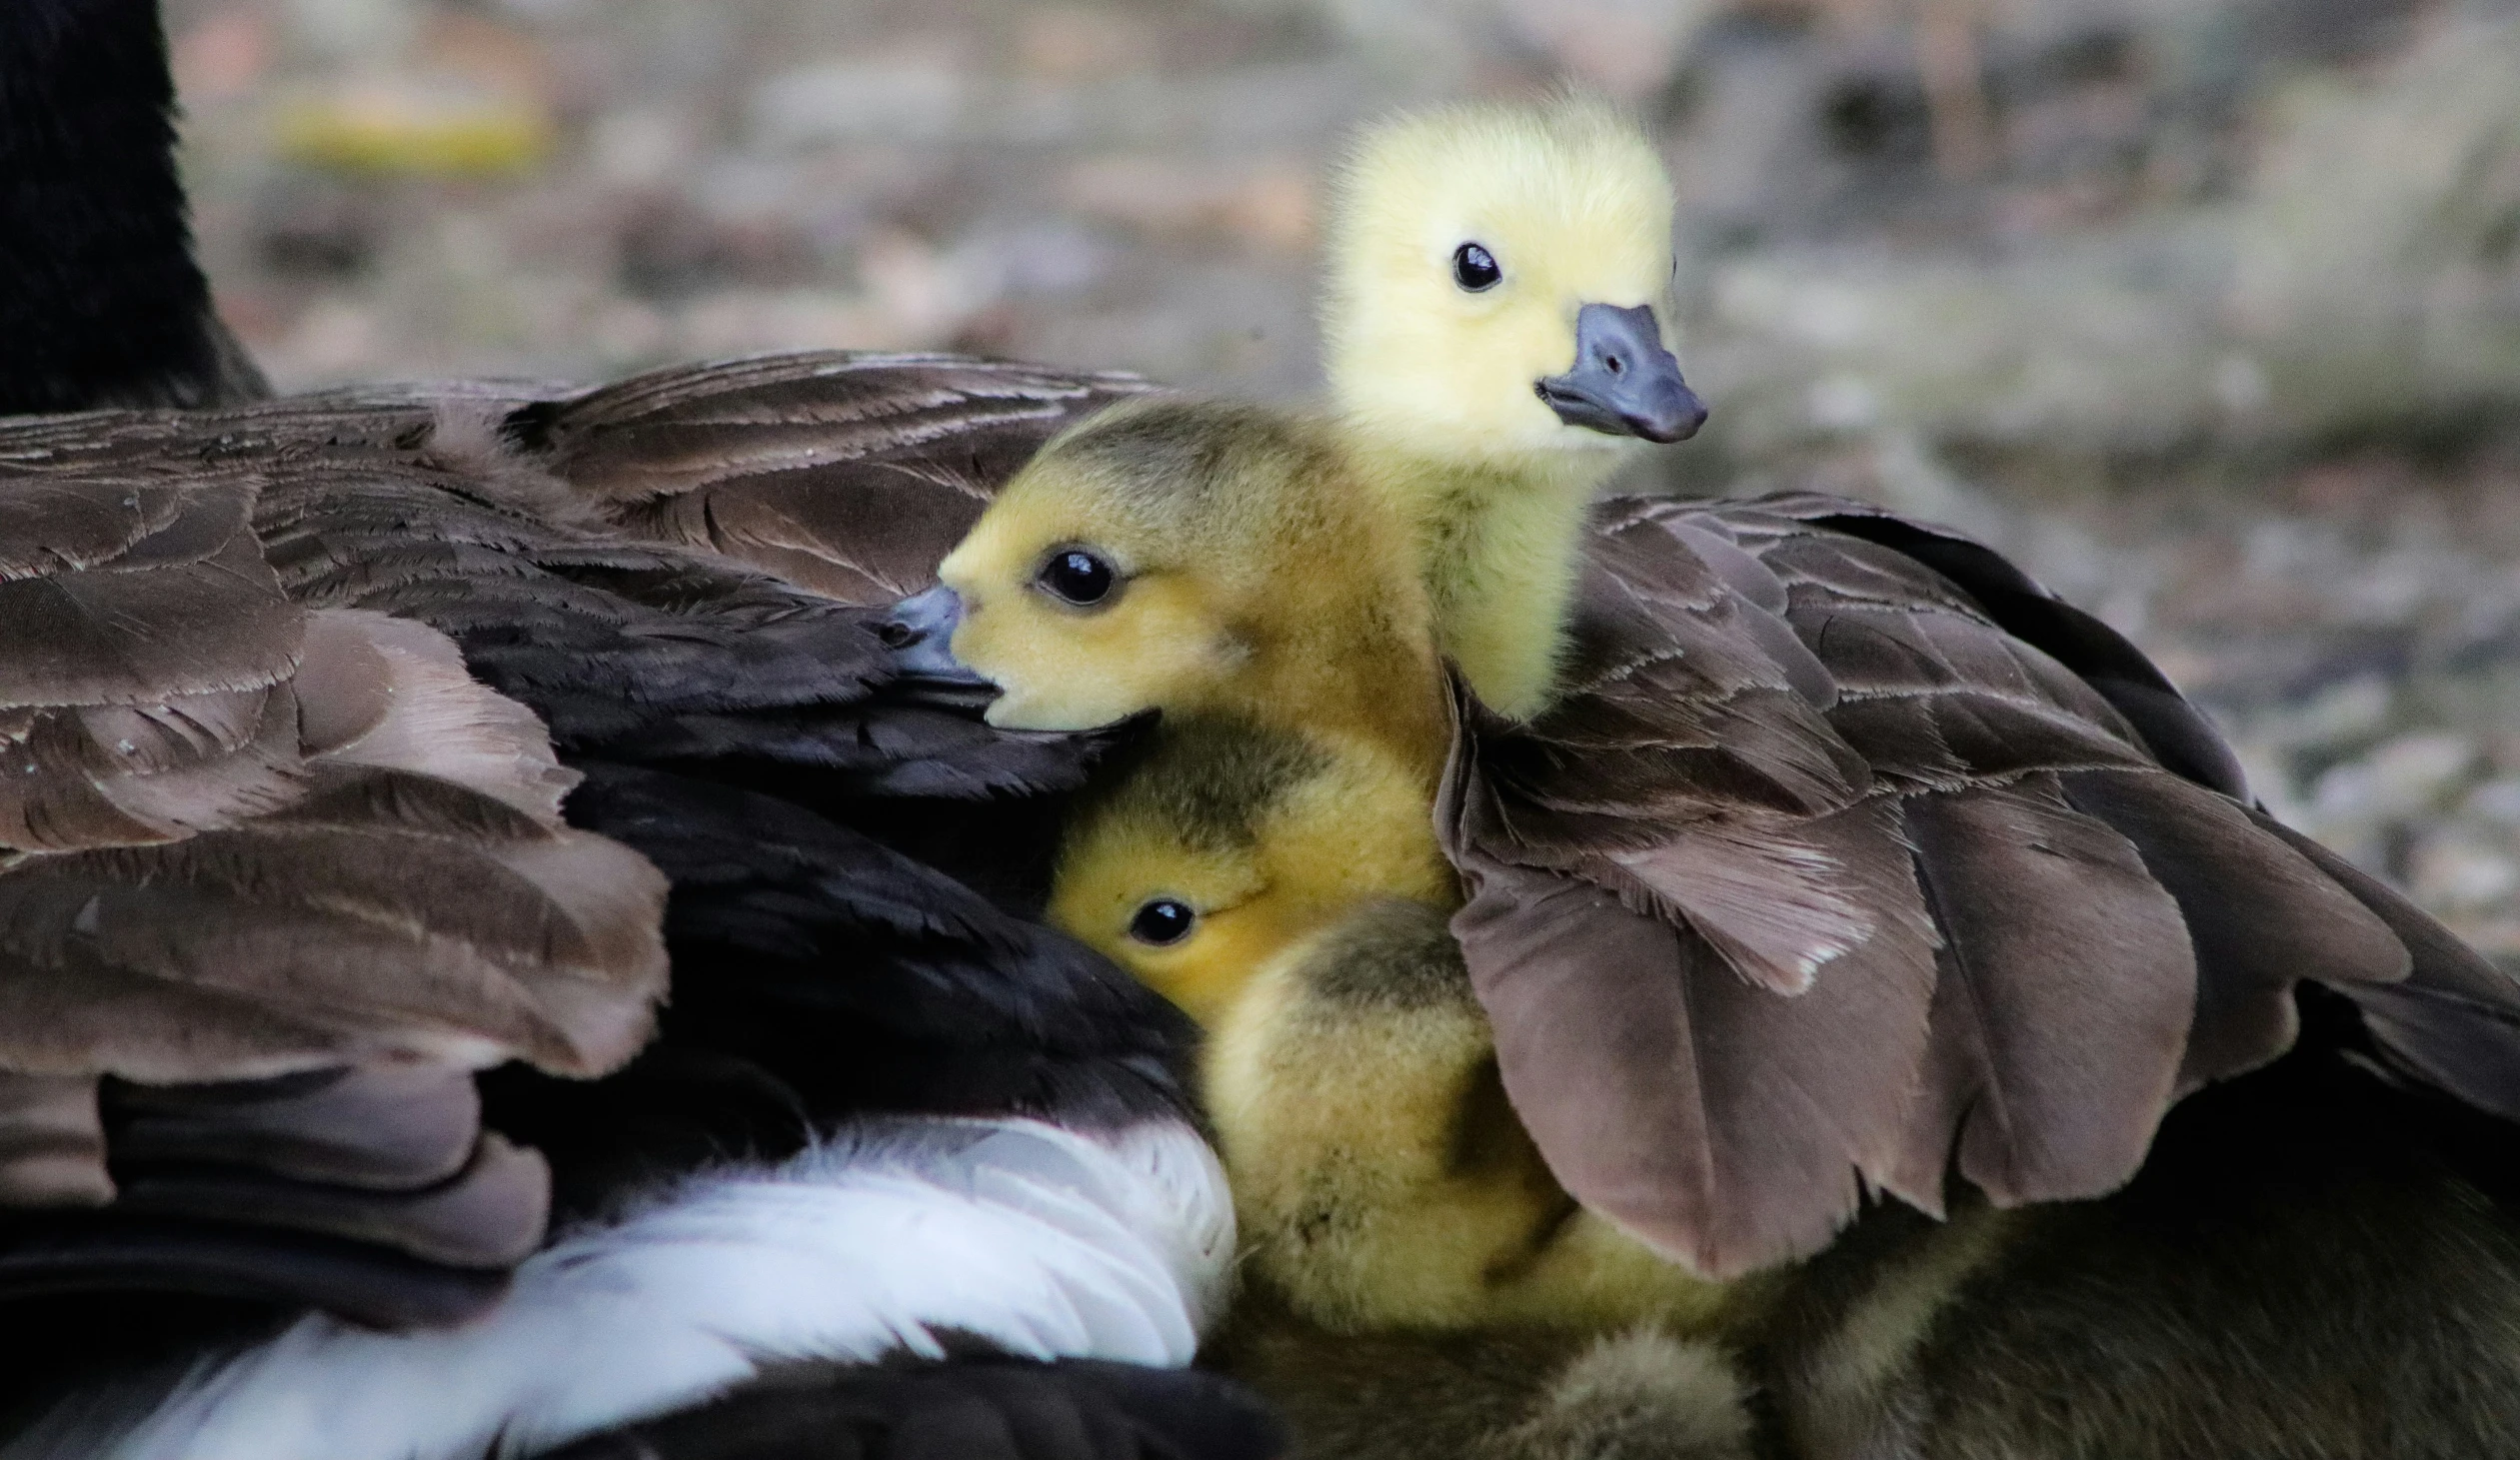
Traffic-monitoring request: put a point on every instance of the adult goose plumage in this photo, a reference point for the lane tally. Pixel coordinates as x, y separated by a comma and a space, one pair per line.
755, 742
1849, 855
246, 840
274, 833
287, 846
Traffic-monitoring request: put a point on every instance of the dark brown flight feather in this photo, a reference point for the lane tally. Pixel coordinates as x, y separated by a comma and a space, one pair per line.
850, 475
1848, 857
387, 1127
2061, 1003
52, 1143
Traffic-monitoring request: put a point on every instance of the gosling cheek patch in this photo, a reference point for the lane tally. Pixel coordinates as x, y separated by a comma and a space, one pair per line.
1624, 381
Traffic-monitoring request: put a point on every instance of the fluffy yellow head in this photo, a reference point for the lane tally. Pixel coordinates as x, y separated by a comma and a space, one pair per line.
1567, 203
1228, 844
1184, 556
1118, 570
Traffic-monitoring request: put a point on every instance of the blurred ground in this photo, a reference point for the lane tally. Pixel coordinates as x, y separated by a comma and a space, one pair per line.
2208, 310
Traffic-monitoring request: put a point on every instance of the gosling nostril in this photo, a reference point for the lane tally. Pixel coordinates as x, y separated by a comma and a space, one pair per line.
1625, 382
920, 633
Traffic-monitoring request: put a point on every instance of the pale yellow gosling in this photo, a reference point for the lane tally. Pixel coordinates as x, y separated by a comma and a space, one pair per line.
1495, 351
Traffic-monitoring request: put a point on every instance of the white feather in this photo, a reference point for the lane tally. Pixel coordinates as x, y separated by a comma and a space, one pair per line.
1048, 1242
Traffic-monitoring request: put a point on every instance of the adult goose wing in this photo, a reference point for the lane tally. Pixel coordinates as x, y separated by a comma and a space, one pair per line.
630, 649
2449, 1022
771, 1176
1849, 857
848, 474
300, 856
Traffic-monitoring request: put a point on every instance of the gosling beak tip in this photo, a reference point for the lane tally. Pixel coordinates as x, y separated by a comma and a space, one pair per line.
918, 631
1624, 381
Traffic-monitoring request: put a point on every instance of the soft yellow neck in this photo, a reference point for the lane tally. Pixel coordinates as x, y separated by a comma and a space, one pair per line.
1499, 546
1362, 675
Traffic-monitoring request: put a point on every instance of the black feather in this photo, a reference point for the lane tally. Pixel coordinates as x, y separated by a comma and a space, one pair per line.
972, 1408
866, 981
100, 301
264, 1268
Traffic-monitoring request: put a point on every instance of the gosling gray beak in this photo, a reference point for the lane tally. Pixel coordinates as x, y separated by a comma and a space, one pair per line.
1625, 382
920, 632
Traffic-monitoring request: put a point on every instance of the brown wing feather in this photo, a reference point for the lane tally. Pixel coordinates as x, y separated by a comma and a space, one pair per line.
389, 1126
186, 608
2263, 917
392, 694
2454, 1021
239, 837
2073, 643
1715, 1119
253, 824
491, 1213
848, 474
387, 870
52, 1143
1849, 851
2062, 1006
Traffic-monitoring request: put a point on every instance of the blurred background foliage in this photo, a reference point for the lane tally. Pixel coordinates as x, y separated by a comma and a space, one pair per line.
2207, 309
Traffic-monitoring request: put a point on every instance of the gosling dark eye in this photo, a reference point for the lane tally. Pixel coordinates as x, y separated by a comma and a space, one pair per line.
1475, 268
1161, 921
1077, 577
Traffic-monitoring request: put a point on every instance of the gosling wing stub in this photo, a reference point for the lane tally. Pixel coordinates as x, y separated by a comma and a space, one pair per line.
1850, 859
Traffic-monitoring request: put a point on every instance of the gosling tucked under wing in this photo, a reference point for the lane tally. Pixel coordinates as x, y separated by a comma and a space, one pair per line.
671, 679
2309, 1262
1832, 745
1843, 852
2334, 1264
1921, 863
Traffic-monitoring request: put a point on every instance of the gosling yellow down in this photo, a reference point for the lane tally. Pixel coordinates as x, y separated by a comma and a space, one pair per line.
1830, 855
